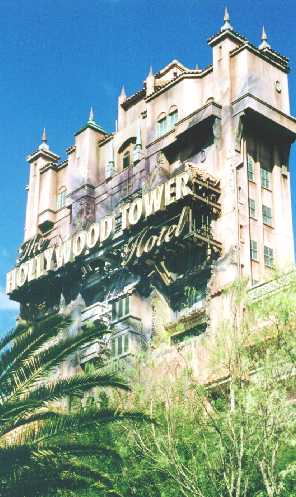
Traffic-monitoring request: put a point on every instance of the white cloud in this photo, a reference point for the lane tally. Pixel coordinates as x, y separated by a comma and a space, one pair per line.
6, 304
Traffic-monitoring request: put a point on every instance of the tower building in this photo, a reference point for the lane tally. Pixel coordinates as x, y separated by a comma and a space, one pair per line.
149, 224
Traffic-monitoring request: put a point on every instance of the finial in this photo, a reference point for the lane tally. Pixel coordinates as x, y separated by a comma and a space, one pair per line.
150, 74
226, 24
44, 137
43, 145
264, 43
122, 93
91, 118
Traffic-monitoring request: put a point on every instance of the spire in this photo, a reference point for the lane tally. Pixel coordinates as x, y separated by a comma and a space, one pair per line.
226, 24
150, 82
150, 74
264, 43
122, 93
91, 118
43, 145
44, 137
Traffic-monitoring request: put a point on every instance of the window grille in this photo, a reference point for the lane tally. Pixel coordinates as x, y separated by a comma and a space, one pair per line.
120, 308
61, 198
265, 178
162, 126
268, 256
267, 215
120, 345
126, 160
254, 250
251, 168
252, 208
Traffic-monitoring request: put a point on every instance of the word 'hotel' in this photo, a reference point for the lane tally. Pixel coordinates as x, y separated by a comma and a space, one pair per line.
147, 225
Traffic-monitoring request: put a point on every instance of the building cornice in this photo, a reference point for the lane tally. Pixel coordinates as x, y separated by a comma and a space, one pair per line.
249, 102
193, 74
186, 74
228, 33
106, 140
93, 126
55, 166
269, 55
210, 109
45, 154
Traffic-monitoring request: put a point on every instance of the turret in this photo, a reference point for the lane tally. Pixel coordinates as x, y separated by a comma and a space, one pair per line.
150, 83
121, 111
41, 190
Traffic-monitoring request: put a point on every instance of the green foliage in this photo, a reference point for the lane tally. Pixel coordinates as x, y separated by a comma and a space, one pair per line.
234, 438
45, 447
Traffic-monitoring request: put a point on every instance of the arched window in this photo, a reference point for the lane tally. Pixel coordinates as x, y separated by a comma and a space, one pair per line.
172, 117
126, 158
162, 124
125, 153
61, 197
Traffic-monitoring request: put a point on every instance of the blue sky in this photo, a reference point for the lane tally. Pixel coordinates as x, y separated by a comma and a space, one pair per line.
59, 57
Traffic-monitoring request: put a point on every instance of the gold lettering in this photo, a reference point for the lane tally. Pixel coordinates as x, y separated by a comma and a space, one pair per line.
149, 245
135, 211
48, 254
11, 281
32, 269
106, 227
184, 218
154, 201
63, 253
22, 274
79, 243
93, 235
124, 209
162, 233
170, 190
170, 233
182, 190
40, 267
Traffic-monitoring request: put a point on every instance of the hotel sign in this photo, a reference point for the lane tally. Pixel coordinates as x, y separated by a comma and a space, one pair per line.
55, 257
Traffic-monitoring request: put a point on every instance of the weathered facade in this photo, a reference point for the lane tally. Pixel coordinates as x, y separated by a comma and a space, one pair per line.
148, 224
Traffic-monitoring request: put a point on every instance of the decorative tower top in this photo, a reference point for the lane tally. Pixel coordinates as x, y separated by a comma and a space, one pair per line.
150, 82
122, 96
91, 118
43, 145
150, 74
226, 24
264, 43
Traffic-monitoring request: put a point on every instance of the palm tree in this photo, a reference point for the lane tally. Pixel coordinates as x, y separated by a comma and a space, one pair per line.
43, 446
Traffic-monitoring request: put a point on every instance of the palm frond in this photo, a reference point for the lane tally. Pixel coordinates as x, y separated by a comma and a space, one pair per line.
38, 366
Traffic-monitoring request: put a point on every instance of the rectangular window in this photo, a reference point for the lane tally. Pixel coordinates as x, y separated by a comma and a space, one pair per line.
173, 118
267, 215
251, 168
254, 250
252, 208
265, 178
125, 343
126, 160
120, 308
119, 345
162, 126
61, 199
268, 256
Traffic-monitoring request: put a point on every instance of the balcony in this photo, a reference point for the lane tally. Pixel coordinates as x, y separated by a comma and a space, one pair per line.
46, 220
